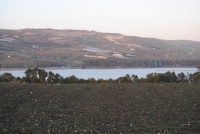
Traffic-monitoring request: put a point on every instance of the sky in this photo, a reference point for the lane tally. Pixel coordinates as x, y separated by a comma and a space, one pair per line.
164, 19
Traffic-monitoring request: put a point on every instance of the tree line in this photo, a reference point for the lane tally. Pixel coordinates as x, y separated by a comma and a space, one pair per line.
36, 75
35, 64
107, 63
124, 63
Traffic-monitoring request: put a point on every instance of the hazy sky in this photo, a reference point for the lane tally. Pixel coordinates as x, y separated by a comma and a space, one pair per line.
165, 19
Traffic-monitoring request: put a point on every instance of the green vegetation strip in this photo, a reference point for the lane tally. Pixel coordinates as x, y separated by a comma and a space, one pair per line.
99, 108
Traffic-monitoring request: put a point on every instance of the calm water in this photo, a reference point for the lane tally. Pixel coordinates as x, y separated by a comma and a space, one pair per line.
106, 73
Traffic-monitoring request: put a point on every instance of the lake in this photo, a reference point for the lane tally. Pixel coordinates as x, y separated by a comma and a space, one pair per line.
105, 73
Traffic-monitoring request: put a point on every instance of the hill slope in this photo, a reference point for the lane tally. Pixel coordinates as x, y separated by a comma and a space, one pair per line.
50, 47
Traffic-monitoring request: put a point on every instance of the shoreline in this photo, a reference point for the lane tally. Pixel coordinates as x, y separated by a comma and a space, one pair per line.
64, 68
45, 68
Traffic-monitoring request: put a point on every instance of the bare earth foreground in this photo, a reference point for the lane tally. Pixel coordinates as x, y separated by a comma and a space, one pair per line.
100, 108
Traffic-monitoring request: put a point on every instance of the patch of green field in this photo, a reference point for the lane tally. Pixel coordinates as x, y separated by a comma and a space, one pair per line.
100, 108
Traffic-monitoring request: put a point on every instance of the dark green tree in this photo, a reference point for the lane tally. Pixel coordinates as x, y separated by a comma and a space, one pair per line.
134, 78
169, 77
152, 77
191, 78
50, 79
42, 75
196, 77
72, 79
34, 78
57, 78
125, 79
7, 77
181, 77
92, 80
28, 74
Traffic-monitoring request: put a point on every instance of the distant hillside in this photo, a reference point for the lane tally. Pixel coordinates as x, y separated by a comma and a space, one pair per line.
69, 48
